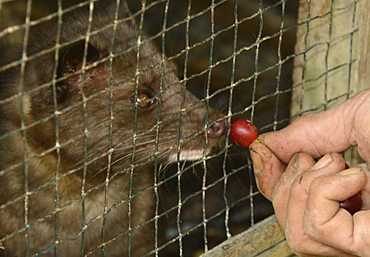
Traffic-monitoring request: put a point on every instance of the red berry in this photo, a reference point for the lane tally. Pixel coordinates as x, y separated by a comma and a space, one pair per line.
243, 132
352, 204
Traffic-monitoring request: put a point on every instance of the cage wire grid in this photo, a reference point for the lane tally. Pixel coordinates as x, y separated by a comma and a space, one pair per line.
235, 55
329, 68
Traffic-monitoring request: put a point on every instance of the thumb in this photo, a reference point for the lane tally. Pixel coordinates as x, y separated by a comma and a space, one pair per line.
317, 134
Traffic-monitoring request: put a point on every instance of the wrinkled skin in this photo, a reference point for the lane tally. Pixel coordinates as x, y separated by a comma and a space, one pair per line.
305, 192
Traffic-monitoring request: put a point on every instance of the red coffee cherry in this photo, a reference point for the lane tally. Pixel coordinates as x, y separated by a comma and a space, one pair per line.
243, 132
352, 204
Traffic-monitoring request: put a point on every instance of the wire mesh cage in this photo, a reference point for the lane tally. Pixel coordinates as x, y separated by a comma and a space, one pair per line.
105, 152
330, 65
104, 129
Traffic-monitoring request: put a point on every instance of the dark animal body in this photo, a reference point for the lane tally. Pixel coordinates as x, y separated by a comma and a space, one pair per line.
81, 125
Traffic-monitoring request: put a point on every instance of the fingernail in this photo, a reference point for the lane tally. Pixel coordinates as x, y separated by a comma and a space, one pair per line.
292, 168
351, 171
257, 161
323, 162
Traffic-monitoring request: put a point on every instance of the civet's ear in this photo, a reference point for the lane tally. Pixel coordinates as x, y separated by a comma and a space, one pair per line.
70, 65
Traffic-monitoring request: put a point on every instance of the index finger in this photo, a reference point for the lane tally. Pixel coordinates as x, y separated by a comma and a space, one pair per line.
317, 134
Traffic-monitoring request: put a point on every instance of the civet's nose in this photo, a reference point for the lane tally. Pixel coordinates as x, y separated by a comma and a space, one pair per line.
217, 128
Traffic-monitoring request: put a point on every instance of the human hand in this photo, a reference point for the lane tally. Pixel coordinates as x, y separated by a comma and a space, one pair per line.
306, 201
306, 196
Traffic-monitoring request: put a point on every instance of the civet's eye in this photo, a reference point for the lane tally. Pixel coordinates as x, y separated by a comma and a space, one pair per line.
143, 100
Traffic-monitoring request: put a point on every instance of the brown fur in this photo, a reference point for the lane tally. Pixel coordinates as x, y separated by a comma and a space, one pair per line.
84, 171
